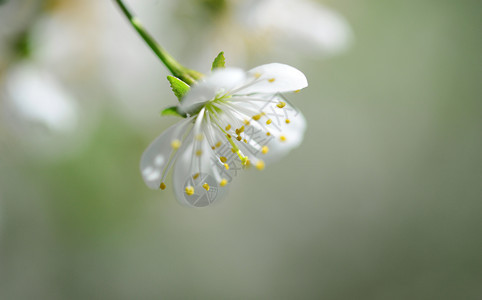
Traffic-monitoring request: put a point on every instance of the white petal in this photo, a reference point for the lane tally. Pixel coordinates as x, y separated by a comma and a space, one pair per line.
283, 136
217, 83
305, 25
293, 134
35, 96
274, 78
156, 156
195, 171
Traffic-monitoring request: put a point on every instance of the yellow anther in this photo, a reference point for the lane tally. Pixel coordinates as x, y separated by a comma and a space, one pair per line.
226, 166
223, 159
176, 144
263, 113
260, 165
281, 104
271, 79
213, 147
199, 137
223, 182
162, 186
239, 130
199, 152
282, 138
268, 133
234, 150
189, 190
297, 91
218, 144
269, 121
239, 138
247, 163
256, 117
264, 149
206, 186
244, 140
228, 136
195, 176
228, 127
246, 122
287, 121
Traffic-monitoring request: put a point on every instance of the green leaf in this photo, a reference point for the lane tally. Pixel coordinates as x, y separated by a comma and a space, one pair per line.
179, 87
172, 111
219, 61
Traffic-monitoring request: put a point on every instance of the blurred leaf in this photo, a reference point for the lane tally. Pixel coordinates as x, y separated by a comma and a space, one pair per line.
172, 111
219, 61
179, 87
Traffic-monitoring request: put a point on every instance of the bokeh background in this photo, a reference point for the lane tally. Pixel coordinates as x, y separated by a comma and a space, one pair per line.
381, 201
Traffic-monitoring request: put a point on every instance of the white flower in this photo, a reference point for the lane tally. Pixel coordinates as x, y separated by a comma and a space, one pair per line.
263, 28
235, 120
310, 26
35, 97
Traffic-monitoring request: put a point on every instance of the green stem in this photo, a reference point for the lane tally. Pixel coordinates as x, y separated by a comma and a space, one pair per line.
178, 70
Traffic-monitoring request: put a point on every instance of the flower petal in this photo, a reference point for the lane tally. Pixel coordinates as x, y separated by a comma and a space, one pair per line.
280, 129
275, 78
304, 25
217, 83
155, 158
196, 180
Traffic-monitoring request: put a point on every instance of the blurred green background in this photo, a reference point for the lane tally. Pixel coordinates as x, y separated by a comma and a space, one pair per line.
381, 201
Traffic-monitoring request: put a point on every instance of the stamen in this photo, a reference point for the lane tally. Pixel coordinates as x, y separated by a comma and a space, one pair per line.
195, 176
246, 122
297, 91
162, 186
265, 149
218, 144
239, 130
228, 127
245, 161
226, 166
189, 190
268, 133
223, 182
206, 186
199, 152
287, 121
282, 138
256, 117
268, 121
271, 80
257, 75
175, 144
239, 138
199, 137
244, 140
281, 104
260, 165
223, 159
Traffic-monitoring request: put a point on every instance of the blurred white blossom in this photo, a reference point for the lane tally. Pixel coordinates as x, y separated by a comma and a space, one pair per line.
307, 26
33, 97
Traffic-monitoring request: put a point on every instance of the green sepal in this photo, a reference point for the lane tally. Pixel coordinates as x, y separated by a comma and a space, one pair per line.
219, 61
179, 87
172, 111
